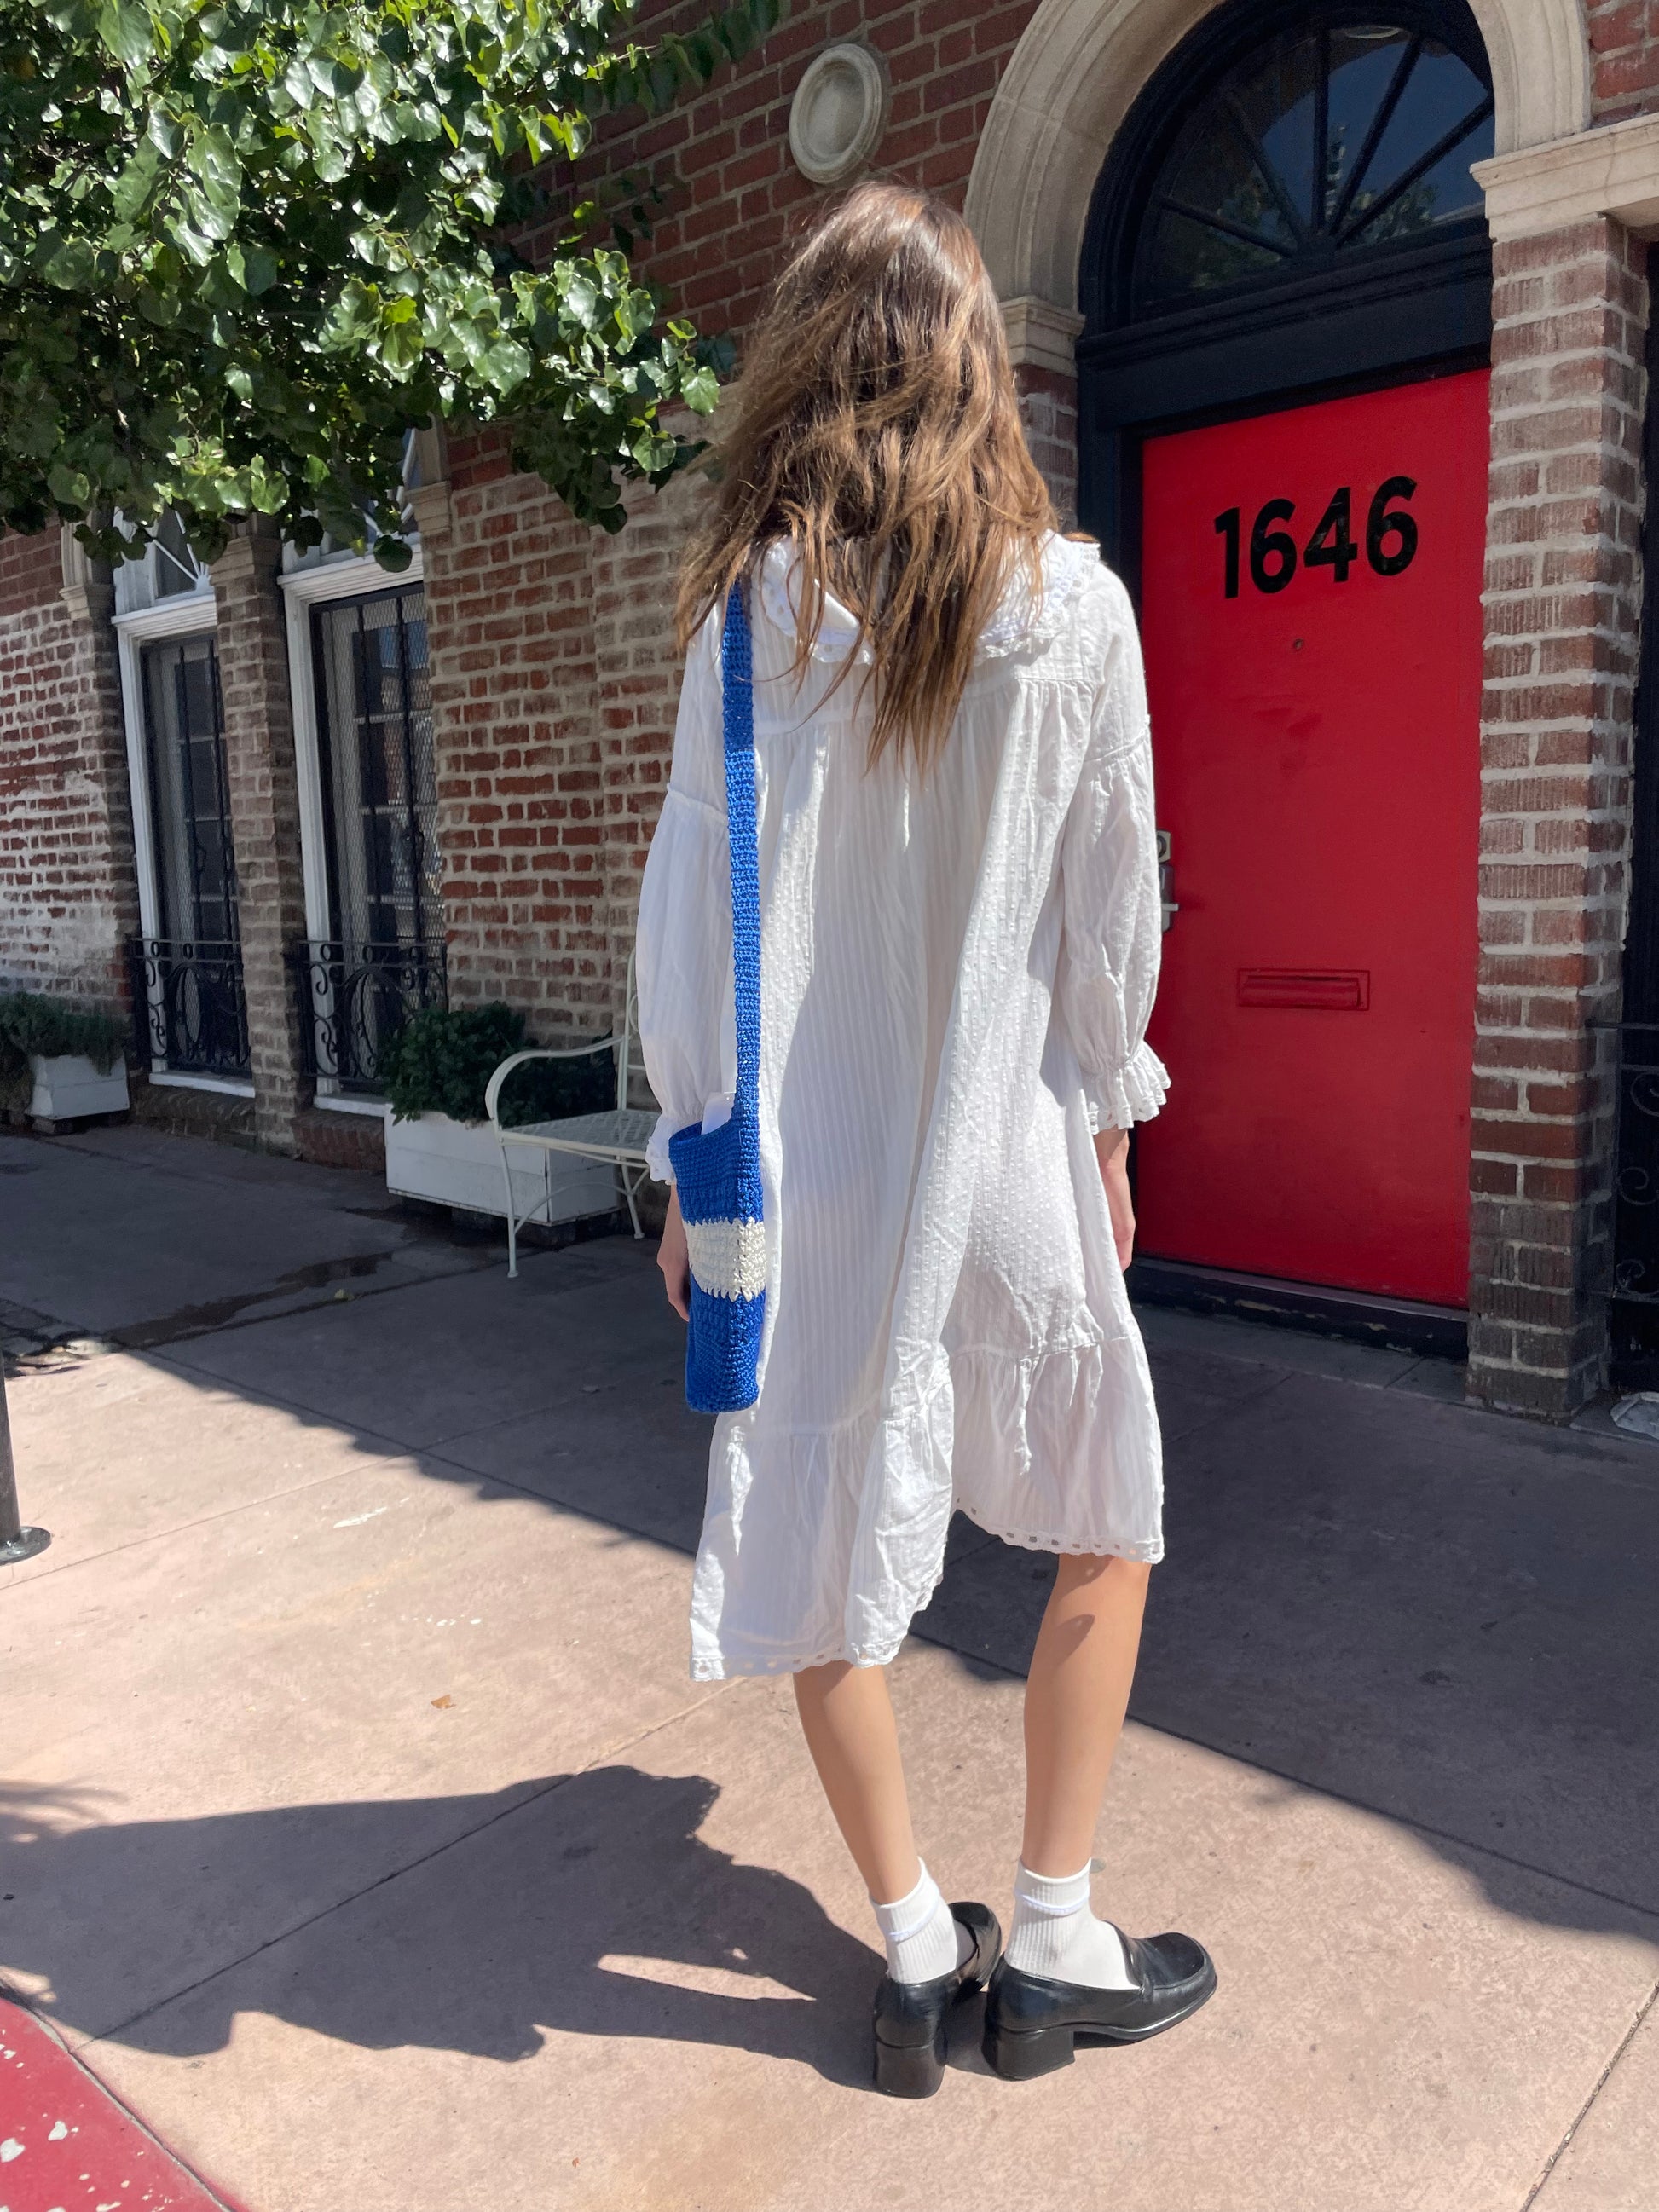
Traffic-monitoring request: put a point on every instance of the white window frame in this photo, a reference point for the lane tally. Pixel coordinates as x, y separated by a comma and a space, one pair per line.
345, 576
183, 614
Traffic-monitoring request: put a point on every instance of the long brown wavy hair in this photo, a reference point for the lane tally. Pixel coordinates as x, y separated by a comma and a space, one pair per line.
876, 428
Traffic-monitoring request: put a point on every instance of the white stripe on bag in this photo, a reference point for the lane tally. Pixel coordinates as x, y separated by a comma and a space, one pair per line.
728, 1258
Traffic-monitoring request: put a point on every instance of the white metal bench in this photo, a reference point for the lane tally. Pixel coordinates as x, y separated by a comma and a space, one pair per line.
619, 1135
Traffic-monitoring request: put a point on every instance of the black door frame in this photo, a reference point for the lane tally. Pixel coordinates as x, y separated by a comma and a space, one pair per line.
1634, 1315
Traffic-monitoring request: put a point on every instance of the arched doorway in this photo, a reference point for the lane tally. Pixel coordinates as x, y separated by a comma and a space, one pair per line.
1285, 283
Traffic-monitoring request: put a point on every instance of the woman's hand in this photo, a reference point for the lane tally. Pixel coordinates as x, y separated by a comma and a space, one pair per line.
1112, 1151
675, 1259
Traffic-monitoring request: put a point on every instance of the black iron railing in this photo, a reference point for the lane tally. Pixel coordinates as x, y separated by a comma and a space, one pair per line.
190, 1015
1636, 1192
354, 1001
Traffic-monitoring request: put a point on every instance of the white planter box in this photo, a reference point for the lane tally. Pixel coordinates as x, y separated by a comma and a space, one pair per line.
459, 1164
71, 1085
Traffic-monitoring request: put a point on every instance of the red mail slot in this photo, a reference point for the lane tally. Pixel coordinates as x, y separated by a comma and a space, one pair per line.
1325, 990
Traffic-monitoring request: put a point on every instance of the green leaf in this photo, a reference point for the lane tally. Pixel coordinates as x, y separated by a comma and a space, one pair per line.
137, 180
125, 29
69, 487
700, 391
70, 264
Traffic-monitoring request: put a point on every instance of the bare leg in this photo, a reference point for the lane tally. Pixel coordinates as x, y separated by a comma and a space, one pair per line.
1075, 1698
847, 1718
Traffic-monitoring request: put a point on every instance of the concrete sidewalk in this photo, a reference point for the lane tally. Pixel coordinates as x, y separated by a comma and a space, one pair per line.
364, 1833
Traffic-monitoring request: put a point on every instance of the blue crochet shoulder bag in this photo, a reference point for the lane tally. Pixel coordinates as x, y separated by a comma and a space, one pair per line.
717, 1172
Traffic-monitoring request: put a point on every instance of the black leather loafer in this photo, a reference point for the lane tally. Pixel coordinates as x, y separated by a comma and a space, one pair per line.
1030, 2023
911, 2017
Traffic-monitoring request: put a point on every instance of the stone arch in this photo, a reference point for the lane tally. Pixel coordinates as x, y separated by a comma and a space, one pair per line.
1078, 69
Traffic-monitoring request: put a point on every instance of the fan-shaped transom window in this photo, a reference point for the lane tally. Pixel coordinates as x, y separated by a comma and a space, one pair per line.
1327, 141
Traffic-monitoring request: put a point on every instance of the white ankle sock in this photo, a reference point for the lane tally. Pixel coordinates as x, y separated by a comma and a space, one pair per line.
1056, 1935
923, 1942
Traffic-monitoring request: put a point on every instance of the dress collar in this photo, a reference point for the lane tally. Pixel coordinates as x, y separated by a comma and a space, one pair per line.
1018, 625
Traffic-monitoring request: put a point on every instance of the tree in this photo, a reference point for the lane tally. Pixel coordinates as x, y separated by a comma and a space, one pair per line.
246, 245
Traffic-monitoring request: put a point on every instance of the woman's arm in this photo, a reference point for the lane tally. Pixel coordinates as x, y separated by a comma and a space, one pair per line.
1112, 1151
684, 941
674, 1258
1108, 973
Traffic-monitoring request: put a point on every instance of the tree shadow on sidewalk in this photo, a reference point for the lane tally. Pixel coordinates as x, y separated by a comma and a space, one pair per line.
587, 1905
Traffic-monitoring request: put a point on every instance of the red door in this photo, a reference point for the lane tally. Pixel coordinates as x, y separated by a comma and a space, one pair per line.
1311, 587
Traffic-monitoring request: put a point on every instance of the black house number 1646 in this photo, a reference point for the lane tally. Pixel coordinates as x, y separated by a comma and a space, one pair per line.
1391, 538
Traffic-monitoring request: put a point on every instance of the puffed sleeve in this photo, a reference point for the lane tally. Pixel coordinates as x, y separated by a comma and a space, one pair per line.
1110, 957
683, 949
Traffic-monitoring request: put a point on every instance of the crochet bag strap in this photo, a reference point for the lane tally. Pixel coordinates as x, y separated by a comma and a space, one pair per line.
737, 670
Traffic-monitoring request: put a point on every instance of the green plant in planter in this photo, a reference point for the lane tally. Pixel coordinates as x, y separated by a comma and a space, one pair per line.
444, 1057
35, 1027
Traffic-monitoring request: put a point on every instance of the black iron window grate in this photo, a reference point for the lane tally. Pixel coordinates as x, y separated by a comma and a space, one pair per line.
190, 1013
354, 1000
1636, 1190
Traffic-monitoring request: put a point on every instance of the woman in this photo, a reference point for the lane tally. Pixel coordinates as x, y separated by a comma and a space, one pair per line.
959, 946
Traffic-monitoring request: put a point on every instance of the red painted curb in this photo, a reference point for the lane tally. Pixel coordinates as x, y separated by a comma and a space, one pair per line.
67, 2145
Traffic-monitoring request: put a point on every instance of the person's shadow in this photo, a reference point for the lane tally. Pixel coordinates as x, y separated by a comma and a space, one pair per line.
586, 1905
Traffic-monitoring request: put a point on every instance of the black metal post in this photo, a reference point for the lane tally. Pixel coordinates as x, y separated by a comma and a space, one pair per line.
17, 1542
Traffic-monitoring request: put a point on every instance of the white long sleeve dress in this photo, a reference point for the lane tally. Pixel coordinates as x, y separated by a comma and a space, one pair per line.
955, 976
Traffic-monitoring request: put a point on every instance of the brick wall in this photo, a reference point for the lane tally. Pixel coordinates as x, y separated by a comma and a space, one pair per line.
68, 899
1047, 402
1562, 578
264, 822
734, 195
509, 594
555, 684
1624, 37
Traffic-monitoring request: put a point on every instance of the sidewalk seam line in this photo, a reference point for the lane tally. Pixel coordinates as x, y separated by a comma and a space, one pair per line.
1582, 2113
1282, 1376
393, 1873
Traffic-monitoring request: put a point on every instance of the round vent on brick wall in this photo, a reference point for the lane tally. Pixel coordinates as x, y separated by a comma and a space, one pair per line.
838, 114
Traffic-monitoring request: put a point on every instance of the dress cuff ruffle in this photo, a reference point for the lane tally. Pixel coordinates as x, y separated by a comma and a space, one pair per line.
1134, 1094
659, 1166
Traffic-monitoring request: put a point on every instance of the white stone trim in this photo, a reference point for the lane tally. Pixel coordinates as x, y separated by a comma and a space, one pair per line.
822, 160
222, 1086
1041, 336
88, 587
1540, 68
1081, 66
1611, 172
186, 614
349, 576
